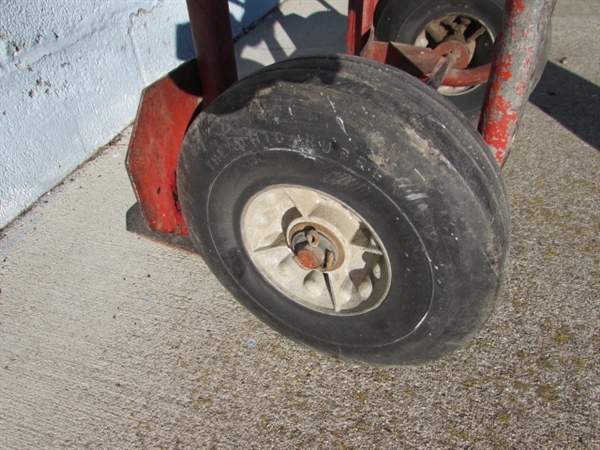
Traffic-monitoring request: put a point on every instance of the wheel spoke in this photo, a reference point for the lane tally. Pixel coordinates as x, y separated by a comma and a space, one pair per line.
335, 284
289, 274
449, 20
304, 200
362, 242
362, 250
477, 33
315, 285
363, 281
272, 243
272, 256
344, 222
266, 221
437, 32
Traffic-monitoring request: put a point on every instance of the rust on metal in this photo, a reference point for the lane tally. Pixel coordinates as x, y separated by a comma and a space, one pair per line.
460, 50
441, 69
519, 47
308, 253
166, 109
307, 258
315, 247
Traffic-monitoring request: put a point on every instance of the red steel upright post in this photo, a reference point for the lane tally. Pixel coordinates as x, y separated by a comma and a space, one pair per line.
360, 21
516, 68
213, 41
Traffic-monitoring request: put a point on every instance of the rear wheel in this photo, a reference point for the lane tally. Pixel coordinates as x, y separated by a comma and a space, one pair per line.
348, 208
430, 23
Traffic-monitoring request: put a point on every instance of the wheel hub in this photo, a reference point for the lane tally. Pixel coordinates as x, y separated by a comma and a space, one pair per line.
315, 250
466, 36
463, 53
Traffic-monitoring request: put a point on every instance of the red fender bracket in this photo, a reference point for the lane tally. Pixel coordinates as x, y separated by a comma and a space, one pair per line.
166, 109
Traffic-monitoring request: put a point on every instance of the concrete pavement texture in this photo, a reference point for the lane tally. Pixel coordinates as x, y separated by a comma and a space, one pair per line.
109, 340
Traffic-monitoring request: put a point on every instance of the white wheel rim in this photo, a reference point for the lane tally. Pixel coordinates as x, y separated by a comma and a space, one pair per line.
358, 276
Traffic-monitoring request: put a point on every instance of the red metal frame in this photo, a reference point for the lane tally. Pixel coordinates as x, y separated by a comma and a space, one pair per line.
360, 22
168, 106
516, 68
166, 109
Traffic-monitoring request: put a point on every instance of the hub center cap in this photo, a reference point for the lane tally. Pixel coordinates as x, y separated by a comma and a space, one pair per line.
315, 247
314, 250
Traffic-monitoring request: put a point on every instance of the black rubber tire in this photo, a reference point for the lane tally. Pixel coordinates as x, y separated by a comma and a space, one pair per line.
404, 159
403, 20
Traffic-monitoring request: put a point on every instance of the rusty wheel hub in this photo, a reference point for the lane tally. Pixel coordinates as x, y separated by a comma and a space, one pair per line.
315, 247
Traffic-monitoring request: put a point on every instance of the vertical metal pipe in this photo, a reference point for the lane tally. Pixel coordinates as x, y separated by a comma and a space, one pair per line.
520, 55
355, 8
360, 21
213, 41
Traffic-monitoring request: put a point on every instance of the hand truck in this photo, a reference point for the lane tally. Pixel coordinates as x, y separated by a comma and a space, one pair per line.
340, 198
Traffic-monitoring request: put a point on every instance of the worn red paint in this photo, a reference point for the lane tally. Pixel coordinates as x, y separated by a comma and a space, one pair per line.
368, 11
513, 69
522, 88
504, 67
503, 116
517, 6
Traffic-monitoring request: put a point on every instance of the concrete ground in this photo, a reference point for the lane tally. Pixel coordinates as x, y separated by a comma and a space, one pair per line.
109, 340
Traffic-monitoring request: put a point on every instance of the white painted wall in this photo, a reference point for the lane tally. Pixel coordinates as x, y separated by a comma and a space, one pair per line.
71, 73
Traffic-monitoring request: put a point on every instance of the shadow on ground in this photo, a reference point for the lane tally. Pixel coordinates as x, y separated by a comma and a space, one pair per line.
571, 100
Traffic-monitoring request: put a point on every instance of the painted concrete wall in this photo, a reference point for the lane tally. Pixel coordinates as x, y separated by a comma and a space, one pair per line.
71, 73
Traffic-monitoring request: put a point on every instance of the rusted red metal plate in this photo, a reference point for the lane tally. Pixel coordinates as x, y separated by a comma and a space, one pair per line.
166, 109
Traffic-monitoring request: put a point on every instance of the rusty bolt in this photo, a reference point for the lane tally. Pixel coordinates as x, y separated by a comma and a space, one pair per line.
312, 237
